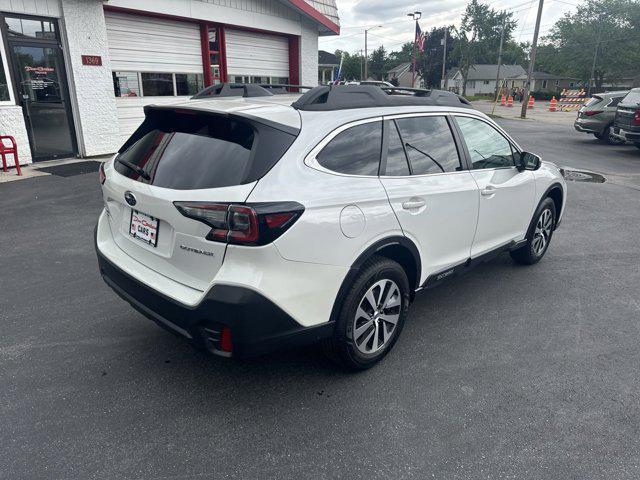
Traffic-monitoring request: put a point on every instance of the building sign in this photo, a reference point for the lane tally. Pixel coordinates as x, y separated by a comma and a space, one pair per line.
92, 60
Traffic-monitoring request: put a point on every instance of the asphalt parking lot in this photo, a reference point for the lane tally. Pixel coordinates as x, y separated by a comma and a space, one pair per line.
507, 372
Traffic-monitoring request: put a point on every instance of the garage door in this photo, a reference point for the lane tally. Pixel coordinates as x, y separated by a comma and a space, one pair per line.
154, 61
257, 57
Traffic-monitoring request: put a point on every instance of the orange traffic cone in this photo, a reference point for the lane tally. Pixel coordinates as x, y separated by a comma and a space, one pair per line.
530, 101
503, 101
510, 101
553, 104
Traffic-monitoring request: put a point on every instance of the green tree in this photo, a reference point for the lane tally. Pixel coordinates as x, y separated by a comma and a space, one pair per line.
351, 65
609, 29
377, 63
478, 37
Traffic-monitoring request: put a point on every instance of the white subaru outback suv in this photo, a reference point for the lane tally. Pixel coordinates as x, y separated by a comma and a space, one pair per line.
247, 221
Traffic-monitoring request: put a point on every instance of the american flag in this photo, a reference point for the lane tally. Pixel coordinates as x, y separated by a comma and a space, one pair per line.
420, 38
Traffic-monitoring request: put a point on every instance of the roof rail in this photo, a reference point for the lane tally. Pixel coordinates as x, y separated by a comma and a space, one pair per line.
246, 90
343, 97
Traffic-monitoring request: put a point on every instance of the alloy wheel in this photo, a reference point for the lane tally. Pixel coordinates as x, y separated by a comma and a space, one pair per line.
542, 233
377, 316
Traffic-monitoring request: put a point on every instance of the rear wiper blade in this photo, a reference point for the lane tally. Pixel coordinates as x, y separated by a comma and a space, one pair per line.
135, 168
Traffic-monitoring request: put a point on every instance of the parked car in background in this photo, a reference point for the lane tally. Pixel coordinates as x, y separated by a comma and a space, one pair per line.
597, 116
627, 122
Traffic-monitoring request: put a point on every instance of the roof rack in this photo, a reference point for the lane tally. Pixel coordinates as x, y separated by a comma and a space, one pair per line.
246, 90
343, 97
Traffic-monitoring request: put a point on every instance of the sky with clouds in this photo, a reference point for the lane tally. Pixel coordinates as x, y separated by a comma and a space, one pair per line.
396, 28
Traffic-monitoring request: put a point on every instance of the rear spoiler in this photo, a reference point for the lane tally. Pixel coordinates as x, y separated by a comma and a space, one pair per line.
194, 110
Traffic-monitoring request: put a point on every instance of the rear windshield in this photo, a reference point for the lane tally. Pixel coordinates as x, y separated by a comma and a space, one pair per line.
633, 97
592, 101
185, 150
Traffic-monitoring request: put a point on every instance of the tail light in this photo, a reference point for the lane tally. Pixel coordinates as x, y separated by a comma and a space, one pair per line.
636, 117
101, 174
591, 113
251, 224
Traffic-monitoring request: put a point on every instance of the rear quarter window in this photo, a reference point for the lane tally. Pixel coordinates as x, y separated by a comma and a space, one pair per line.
354, 151
190, 150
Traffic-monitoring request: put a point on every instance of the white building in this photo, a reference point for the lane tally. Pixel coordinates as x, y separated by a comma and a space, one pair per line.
76, 74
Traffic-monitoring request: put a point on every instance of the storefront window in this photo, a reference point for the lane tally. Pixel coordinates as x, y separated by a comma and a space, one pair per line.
26, 27
188, 83
126, 84
214, 55
157, 84
4, 87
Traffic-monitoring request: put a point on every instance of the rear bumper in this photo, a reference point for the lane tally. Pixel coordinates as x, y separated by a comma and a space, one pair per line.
588, 127
257, 325
629, 136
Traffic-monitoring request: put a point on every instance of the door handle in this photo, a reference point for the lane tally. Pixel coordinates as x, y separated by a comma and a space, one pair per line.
414, 204
488, 191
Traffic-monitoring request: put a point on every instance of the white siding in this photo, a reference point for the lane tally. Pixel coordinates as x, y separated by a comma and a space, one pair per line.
153, 45
131, 112
146, 44
47, 8
254, 53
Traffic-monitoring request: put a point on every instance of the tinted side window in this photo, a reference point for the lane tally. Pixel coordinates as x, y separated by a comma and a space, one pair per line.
614, 102
487, 147
429, 144
396, 159
355, 151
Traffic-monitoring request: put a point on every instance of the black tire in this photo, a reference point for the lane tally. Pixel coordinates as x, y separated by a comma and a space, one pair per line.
637, 145
531, 253
599, 136
342, 348
609, 138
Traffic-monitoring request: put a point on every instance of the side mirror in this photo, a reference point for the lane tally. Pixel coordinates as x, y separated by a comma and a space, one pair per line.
528, 161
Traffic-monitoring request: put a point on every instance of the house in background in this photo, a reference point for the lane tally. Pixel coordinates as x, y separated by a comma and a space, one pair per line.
328, 65
481, 79
544, 82
403, 74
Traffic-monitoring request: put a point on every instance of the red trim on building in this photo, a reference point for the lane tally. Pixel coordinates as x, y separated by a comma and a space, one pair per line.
294, 60
223, 53
316, 15
206, 54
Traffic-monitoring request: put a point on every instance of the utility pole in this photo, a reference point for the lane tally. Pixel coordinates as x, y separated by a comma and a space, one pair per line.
416, 16
499, 60
366, 57
361, 64
532, 62
595, 59
366, 54
444, 59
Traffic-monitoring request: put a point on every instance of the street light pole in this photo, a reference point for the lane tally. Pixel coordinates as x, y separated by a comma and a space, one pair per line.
444, 59
366, 54
532, 62
592, 78
416, 16
499, 61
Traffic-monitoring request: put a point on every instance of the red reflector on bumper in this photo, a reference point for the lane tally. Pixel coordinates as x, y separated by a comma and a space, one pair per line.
225, 340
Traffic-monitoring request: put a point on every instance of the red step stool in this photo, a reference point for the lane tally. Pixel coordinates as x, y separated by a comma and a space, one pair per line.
5, 150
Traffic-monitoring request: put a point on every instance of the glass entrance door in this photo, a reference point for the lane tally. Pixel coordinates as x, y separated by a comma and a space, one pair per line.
43, 94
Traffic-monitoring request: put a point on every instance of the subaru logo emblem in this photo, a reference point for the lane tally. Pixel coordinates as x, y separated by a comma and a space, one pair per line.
130, 198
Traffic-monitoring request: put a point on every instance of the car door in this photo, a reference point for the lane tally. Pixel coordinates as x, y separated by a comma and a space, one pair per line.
506, 195
431, 191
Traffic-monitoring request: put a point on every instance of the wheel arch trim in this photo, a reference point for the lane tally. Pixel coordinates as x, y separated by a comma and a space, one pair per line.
376, 247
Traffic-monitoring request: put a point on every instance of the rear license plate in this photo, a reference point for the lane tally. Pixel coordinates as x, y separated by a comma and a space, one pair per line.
144, 227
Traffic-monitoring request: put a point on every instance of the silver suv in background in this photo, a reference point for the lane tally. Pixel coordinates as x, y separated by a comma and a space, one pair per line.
597, 116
